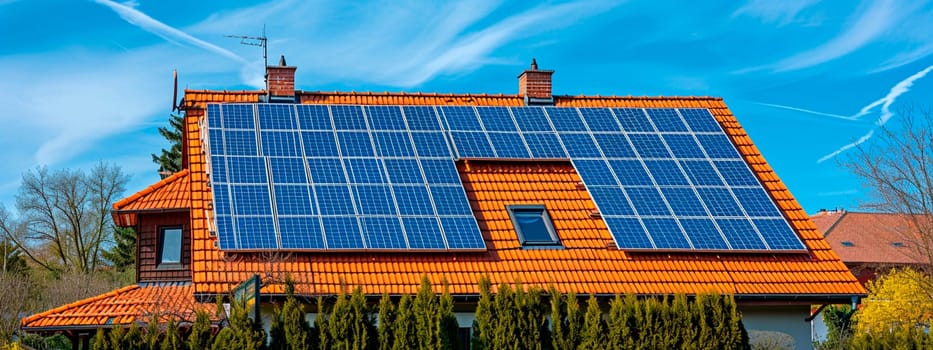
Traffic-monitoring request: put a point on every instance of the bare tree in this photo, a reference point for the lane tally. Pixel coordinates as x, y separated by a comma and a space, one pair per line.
897, 166
64, 216
16, 290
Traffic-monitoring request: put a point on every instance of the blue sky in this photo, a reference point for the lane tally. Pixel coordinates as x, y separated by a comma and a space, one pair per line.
85, 81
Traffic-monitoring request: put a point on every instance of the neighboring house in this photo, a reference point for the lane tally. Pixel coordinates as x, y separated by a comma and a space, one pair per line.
589, 200
870, 243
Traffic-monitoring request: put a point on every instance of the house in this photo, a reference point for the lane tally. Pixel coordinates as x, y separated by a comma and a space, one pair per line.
871, 243
586, 197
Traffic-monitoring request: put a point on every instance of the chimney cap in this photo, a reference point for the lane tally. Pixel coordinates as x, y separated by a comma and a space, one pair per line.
282, 61
534, 64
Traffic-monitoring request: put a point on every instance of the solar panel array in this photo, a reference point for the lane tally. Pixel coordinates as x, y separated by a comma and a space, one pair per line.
332, 177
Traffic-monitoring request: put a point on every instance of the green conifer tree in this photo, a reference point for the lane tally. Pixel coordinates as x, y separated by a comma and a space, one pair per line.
321, 326
339, 323
360, 321
225, 340
277, 339
296, 331
682, 322
593, 328
101, 341
558, 319
405, 328
484, 324
153, 333
200, 336
116, 337
447, 322
504, 333
615, 324
134, 338
248, 334
425, 308
574, 323
387, 316
172, 339
533, 332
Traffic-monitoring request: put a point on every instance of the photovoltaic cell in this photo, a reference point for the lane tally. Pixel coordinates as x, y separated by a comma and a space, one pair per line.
599, 119
508, 145
462, 233
649, 146
633, 120
237, 116
630, 172
393, 144
666, 233
413, 200
666, 119
355, 144
544, 146
431, 144
383, 233
531, 119
319, 144
700, 120
385, 118
565, 119
614, 145
472, 144
580, 146
277, 117
293, 200
280, 143
421, 118
611, 200
342, 232
683, 146
348, 117
301, 232
629, 233
314, 117
496, 119
423, 233
461, 118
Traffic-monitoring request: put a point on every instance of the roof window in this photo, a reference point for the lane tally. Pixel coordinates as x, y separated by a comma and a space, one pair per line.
897, 244
848, 244
533, 225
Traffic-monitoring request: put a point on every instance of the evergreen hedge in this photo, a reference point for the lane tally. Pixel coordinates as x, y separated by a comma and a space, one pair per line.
511, 317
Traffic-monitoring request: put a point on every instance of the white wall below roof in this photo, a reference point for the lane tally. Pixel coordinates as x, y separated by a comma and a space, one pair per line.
789, 319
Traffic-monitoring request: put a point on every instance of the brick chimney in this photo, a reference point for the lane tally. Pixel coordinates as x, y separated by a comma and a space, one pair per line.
535, 85
281, 80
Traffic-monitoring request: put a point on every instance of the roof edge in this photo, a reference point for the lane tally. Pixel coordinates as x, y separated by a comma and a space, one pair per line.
152, 188
452, 94
81, 302
835, 223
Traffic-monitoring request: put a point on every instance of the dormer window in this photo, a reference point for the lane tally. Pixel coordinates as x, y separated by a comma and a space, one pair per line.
533, 225
170, 246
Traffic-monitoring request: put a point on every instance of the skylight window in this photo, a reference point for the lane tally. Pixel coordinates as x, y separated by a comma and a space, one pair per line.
847, 244
533, 225
170, 246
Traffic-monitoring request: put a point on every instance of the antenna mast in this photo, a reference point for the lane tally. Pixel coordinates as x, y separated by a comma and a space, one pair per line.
261, 41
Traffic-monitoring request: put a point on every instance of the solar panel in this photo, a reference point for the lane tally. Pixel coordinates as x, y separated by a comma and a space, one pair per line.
344, 177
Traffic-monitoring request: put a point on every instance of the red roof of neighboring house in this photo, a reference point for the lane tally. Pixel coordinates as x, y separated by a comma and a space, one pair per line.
122, 306
877, 238
172, 193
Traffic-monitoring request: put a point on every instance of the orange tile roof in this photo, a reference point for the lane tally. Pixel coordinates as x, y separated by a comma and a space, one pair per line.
871, 235
586, 265
119, 307
171, 193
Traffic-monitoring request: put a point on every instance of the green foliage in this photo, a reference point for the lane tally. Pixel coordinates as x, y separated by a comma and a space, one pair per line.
425, 307
593, 327
558, 313
153, 333
485, 316
100, 341
504, 330
907, 337
133, 339
225, 340
200, 336
406, 336
900, 297
247, 333
296, 331
447, 323
276, 333
169, 160
363, 329
11, 258
387, 315
321, 326
122, 255
172, 340
573, 321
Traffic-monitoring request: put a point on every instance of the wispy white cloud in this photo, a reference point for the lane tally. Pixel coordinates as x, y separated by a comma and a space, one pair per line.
907, 57
171, 34
885, 102
871, 24
803, 110
780, 12
400, 44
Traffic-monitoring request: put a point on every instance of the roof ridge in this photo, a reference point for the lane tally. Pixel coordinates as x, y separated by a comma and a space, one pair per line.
77, 303
831, 227
152, 188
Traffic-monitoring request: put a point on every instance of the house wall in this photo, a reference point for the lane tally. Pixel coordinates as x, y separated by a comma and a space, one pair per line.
789, 319
147, 235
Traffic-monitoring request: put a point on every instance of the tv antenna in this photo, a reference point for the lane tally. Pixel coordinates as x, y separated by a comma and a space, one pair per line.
260, 41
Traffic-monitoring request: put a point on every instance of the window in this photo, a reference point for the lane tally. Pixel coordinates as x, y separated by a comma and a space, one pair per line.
170, 246
533, 225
